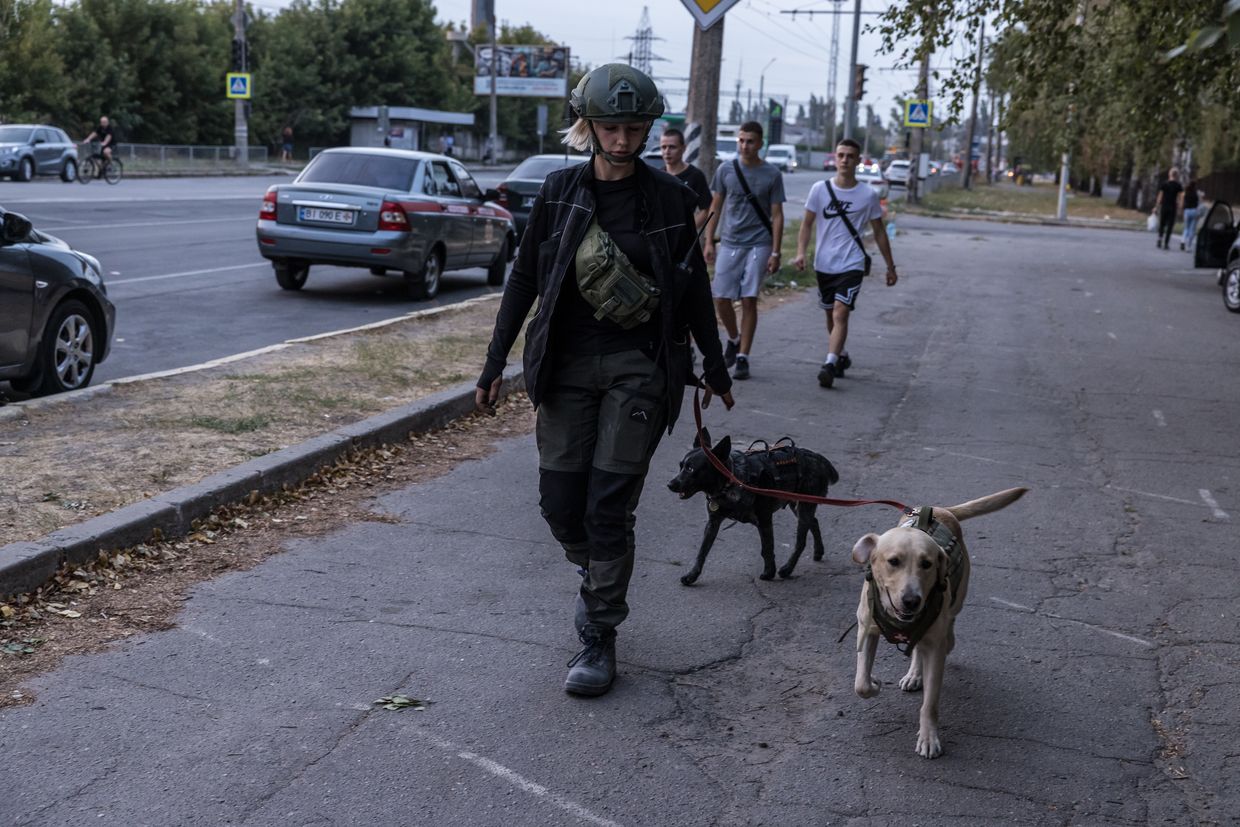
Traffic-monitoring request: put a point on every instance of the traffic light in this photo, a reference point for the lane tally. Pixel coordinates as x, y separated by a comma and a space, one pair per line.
859, 88
238, 55
775, 121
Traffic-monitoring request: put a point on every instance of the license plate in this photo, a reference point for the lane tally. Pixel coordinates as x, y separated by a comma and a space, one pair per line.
329, 216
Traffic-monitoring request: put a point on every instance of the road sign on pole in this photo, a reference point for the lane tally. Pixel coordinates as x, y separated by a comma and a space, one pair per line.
708, 12
239, 85
917, 113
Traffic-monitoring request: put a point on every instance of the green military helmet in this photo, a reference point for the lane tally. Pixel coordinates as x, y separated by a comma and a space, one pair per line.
616, 93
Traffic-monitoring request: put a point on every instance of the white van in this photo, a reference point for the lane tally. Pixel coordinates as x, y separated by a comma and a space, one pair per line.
783, 156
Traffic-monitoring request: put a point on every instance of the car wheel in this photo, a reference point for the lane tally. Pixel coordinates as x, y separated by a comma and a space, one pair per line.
499, 267
425, 285
291, 275
66, 359
1231, 287
25, 169
69, 171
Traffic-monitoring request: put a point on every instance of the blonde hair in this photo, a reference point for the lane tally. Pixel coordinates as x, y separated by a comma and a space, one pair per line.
578, 135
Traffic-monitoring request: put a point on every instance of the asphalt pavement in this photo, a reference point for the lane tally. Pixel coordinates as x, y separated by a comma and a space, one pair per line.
1092, 682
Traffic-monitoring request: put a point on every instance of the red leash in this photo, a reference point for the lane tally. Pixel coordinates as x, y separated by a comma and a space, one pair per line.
771, 492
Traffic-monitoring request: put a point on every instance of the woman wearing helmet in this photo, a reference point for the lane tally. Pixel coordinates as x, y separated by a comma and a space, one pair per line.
611, 257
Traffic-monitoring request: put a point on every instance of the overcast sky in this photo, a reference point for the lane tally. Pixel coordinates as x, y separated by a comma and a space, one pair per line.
754, 33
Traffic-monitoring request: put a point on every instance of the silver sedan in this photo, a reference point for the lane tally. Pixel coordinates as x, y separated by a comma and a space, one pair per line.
414, 214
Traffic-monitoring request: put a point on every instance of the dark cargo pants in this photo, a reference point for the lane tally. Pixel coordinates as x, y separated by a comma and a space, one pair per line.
600, 421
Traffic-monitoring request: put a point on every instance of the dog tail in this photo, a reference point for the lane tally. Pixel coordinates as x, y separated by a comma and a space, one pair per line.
985, 505
833, 476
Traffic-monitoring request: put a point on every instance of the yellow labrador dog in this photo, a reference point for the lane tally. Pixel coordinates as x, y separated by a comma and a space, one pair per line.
917, 576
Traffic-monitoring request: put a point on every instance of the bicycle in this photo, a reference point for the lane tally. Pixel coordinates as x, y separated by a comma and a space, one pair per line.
96, 166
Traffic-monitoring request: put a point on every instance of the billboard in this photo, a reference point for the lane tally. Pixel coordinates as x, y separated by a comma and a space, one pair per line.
529, 71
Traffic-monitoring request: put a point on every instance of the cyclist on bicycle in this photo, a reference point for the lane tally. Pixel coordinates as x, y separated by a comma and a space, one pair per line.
104, 135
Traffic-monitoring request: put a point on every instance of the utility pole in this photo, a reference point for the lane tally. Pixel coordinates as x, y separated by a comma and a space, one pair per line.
702, 109
915, 151
990, 137
869, 124
1066, 168
241, 130
493, 138
977, 88
850, 107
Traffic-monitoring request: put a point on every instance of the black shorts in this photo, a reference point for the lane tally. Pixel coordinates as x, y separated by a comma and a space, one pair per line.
839, 287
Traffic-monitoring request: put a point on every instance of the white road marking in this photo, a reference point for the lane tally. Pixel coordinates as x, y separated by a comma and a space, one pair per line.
522, 783
1150, 494
774, 415
88, 226
1010, 605
1112, 335
1160, 419
112, 282
1149, 644
1088, 295
84, 202
1208, 499
969, 456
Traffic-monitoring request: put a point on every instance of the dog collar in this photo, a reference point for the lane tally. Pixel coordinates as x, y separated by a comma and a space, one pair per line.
907, 633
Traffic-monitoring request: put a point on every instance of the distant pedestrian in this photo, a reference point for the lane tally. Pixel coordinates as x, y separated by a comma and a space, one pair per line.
1166, 205
672, 147
448, 143
1191, 199
840, 260
286, 139
748, 210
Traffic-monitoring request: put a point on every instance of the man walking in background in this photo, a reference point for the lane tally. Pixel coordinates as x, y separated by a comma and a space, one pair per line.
748, 204
672, 148
840, 259
1166, 205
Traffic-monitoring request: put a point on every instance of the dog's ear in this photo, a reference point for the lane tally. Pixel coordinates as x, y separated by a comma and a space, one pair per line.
705, 440
941, 572
724, 448
864, 548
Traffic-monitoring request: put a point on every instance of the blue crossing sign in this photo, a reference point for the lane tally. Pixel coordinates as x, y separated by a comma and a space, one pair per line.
917, 113
239, 85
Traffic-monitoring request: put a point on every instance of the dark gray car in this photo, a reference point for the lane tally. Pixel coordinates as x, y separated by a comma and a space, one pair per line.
56, 321
27, 150
520, 188
415, 214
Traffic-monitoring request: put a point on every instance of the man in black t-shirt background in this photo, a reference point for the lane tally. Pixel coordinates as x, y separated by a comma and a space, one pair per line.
1166, 206
672, 147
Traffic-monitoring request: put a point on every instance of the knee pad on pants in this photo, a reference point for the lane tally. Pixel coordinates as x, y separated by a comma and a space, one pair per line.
563, 504
609, 518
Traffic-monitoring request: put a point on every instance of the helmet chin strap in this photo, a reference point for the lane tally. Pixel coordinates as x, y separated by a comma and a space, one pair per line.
620, 159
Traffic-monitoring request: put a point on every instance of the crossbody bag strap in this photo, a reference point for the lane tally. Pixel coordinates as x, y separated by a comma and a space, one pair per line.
752, 199
843, 213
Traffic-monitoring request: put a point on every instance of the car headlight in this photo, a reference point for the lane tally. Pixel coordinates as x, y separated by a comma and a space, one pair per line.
7, 151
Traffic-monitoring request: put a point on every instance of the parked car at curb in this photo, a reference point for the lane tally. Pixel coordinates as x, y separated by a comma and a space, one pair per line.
415, 214
1218, 245
27, 150
871, 175
56, 321
518, 190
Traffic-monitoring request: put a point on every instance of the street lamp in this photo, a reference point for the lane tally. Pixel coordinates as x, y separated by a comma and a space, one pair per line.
762, 86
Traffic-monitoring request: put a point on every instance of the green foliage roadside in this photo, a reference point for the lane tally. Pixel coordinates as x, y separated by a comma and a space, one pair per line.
1038, 201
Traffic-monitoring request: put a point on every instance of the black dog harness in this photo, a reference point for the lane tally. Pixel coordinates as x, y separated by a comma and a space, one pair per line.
782, 459
909, 632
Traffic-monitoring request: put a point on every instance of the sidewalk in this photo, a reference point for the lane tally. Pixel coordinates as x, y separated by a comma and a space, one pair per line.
734, 704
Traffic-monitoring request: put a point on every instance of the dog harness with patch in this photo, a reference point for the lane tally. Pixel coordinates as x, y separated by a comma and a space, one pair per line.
909, 632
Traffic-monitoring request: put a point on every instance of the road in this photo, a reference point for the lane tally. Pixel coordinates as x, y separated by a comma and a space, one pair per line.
183, 268
1093, 682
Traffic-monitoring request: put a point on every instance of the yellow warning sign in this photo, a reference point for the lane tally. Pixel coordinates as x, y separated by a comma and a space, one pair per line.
708, 12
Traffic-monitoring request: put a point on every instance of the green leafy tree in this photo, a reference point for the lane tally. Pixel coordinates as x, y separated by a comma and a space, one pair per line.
32, 76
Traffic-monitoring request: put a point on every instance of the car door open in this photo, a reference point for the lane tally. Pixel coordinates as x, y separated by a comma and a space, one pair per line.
1215, 237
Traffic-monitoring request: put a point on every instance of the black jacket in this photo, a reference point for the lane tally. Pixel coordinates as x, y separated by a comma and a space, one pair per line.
558, 222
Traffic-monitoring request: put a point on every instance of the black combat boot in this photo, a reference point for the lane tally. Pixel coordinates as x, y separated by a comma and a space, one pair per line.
592, 670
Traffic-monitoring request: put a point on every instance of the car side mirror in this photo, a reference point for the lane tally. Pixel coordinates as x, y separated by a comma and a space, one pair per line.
491, 195
14, 228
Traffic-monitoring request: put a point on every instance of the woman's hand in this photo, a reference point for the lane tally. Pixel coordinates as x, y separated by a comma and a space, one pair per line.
709, 393
484, 400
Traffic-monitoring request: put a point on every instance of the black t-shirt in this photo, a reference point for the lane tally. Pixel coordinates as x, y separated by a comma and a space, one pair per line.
1170, 192
1190, 198
618, 211
695, 180
104, 133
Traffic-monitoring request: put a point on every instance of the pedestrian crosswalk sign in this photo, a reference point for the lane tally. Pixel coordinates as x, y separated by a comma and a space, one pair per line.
239, 85
917, 113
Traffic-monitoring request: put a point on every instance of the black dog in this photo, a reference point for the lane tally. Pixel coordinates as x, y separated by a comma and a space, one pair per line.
783, 467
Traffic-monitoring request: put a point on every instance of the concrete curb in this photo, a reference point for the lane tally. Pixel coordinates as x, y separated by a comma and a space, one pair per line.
24, 566
1001, 218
